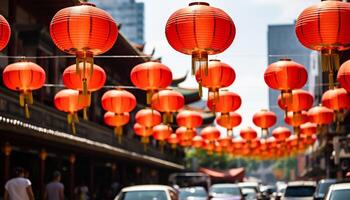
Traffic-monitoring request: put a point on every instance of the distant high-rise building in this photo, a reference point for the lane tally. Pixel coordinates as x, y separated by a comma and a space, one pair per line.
283, 43
129, 14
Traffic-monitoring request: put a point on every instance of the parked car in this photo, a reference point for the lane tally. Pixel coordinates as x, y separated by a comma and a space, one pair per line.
339, 191
267, 191
249, 193
225, 191
193, 193
281, 188
322, 188
147, 192
300, 190
253, 186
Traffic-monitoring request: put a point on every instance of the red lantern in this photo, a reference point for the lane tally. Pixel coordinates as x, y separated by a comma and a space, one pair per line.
185, 133
200, 30
248, 134
117, 121
229, 121
323, 27
168, 102
210, 133
219, 75
309, 140
293, 142
84, 31
151, 76
285, 75
143, 132
70, 101
321, 116
5, 32
161, 133
224, 141
218, 148
344, 75
281, 133
185, 143
299, 100
226, 102
173, 140
189, 119
209, 146
87, 81
118, 101
148, 118
24, 77
264, 119
338, 100
308, 129
271, 142
296, 120
198, 142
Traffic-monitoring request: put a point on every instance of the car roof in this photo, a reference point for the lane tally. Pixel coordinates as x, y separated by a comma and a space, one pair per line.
255, 184
302, 183
340, 186
225, 185
327, 181
146, 188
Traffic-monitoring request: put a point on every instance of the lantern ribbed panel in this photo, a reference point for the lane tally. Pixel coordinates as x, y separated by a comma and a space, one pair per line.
296, 121
148, 117
336, 99
5, 32
118, 101
185, 133
229, 121
189, 119
95, 78
200, 27
142, 130
23, 76
70, 101
112, 119
320, 115
281, 133
344, 75
225, 103
173, 139
161, 132
197, 141
248, 133
325, 26
264, 119
151, 76
83, 28
300, 100
210, 133
168, 101
308, 129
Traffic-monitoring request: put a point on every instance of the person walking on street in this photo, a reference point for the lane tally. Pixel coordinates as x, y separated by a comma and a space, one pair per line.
18, 188
55, 189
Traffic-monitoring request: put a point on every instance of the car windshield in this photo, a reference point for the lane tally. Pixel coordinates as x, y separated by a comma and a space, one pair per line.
144, 195
235, 191
322, 188
192, 192
299, 191
249, 193
340, 194
250, 187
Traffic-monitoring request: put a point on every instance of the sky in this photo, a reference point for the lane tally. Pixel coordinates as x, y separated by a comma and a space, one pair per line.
248, 53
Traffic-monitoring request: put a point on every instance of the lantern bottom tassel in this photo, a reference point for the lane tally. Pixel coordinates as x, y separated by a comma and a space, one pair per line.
161, 145
200, 62
145, 141
26, 99
118, 132
173, 146
330, 63
72, 118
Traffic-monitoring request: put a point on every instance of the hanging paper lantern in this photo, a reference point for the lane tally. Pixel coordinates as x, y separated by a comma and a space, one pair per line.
264, 119
5, 32
229, 121
224, 141
185, 143
143, 132
219, 75
309, 140
308, 129
148, 118
323, 27
255, 143
151, 76
185, 133
189, 119
294, 121
200, 30
84, 31
298, 101
118, 101
225, 103
285, 75
24, 77
344, 75
218, 149
88, 80
248, 134
210, 133
239, 143
70, 101
117, 121
281, 133
197, 142
161, 133
168, 102
321, 116
293, 142
173, 140
338, 100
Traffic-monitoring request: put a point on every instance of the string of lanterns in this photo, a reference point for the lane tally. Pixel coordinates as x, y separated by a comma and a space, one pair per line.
199, 30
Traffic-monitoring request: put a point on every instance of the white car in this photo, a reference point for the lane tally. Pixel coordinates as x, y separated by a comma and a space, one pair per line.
148, 192
300, 190
339, 191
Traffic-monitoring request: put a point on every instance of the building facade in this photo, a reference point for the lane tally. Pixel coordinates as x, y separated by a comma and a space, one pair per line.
129, 14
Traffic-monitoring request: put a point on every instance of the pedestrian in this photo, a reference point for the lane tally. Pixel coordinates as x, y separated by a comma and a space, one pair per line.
81, 192
55, 189
18, 188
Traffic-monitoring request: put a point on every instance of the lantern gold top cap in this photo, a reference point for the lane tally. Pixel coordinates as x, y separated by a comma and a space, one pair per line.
87, 4
199, 3
285, 59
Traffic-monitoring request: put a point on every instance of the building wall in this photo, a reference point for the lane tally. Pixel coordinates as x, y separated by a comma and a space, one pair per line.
129, 14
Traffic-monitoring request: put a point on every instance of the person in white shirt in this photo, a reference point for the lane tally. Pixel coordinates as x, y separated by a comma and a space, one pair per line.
18, 188
55, 189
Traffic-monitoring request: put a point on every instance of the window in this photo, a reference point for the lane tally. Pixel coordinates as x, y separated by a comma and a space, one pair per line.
144, 195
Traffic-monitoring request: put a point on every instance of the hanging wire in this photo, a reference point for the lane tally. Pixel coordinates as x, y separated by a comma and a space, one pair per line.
73, 56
